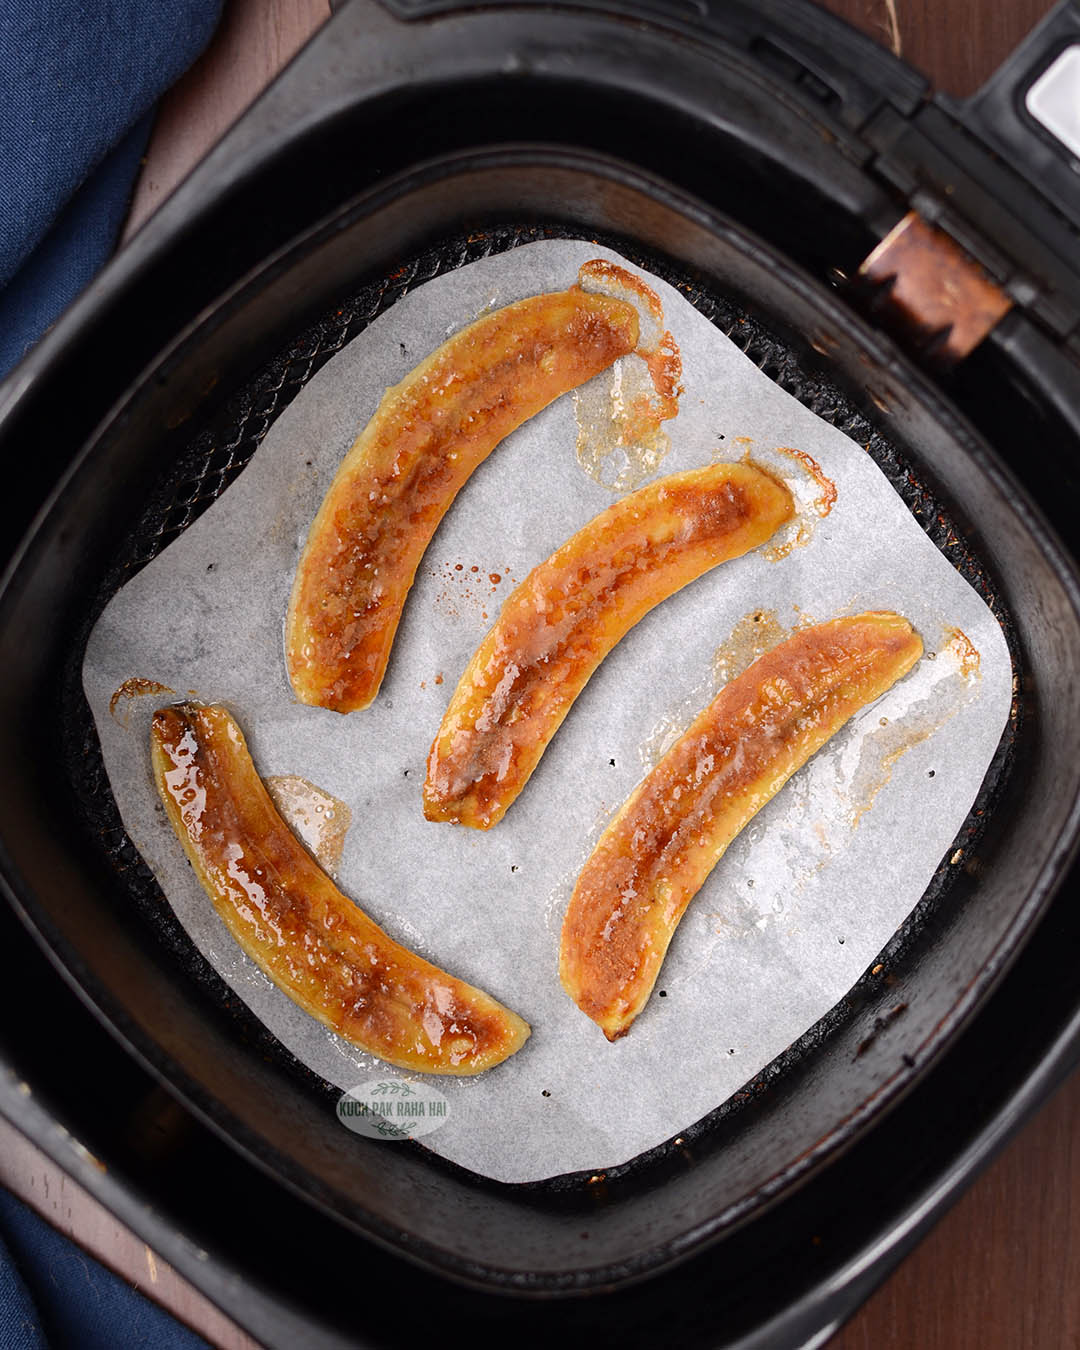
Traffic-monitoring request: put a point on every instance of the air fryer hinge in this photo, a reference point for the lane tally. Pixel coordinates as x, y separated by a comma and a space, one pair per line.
997, 183
921, 282
964, 168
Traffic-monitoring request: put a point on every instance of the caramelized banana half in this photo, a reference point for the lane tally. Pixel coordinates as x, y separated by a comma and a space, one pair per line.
291, 919
674, 828
396, 483
569, 612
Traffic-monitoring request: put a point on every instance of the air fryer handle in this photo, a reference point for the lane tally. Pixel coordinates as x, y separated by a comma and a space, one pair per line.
1014, 111
805, 45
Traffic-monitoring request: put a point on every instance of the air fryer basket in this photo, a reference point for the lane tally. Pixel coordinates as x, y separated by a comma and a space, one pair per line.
191, 392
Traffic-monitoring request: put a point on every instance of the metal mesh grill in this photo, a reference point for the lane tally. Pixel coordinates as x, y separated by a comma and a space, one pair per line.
224, 445
217, 453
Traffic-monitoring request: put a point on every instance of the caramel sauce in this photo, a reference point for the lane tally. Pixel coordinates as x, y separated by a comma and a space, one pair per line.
966, 653
754, 634
798, 538
318, 819
800, 530
886, 746
599, 274
827, 500
665, 369
620, 439
135, 687
620, 442
463, 590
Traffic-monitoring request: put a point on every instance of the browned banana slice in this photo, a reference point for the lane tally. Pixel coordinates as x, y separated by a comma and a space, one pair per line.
396, 483
569, 612
291, 919
675, 827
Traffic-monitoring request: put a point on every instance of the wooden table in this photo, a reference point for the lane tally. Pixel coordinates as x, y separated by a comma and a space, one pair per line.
1002, 1269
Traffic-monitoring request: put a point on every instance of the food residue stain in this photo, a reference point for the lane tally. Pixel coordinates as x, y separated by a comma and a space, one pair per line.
487, 306
740, 917
603, 277
756, 633
674, 724
467, 586
814, 492
563, 888
959, 645
945, 687
619, 412
827, 500
879, 774
319, 820
798, 537
768, 870
135, 687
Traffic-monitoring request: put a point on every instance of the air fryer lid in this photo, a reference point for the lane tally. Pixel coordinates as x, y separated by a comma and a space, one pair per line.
789, 1123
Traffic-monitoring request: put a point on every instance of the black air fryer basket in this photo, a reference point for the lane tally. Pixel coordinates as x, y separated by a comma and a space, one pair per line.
907, 267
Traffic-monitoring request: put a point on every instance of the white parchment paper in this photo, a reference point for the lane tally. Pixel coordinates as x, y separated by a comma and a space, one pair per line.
801, 903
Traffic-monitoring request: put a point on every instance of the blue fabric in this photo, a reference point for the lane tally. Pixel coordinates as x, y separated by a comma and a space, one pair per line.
78, 82
19, 1328
73, 251
55, 1297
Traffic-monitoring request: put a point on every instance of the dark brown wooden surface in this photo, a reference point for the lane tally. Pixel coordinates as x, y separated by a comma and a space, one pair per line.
957, 43
1002, 1269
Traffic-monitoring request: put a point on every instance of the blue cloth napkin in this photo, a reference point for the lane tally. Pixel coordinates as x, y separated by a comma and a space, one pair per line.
78, 82
55, 1297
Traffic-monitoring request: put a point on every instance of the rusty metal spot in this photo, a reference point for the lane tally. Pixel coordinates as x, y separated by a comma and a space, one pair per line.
938, 296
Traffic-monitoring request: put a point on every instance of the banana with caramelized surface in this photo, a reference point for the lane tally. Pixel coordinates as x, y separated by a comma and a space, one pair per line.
397, 482
569, 612
674, 828
290, 918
